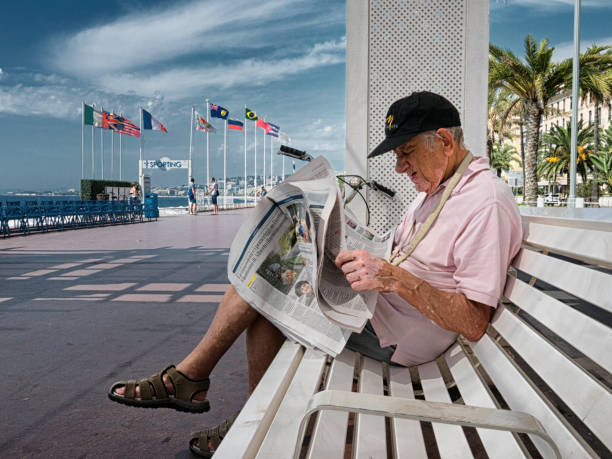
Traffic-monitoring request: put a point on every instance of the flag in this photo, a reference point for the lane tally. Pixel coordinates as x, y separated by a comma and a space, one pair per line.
122, 125
250, 114
202, 124
262, 124
93, 117
283, 138
274, 129
216, 111
148, 122
233, 124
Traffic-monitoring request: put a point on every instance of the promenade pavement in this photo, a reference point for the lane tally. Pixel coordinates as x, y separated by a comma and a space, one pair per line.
81, 309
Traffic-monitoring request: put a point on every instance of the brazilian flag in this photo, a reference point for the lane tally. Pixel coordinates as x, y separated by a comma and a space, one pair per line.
250, 114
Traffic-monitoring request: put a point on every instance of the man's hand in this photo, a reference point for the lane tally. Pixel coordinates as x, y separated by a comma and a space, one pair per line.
451, 311
365, 271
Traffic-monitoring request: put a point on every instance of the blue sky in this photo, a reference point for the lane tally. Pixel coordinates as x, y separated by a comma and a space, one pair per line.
284, 59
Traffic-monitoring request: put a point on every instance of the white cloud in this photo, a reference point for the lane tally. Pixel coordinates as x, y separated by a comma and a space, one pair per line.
565, 49
149, 37
549, 4
31, 100
185, 81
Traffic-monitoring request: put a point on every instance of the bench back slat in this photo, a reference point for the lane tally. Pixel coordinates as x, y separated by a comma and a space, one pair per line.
370, 438
499, 444
581, 243
249, 428
591, 403
585, 283
520, 395
407, 434
451, 439
329, 433
279, 441
587, 335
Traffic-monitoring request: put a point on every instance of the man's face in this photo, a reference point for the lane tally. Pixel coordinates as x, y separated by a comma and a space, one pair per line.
425, 168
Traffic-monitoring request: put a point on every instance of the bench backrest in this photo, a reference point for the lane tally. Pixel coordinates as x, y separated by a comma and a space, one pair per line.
548, 349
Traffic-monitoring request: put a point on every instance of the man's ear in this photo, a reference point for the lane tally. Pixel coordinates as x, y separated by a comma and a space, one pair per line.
447, 140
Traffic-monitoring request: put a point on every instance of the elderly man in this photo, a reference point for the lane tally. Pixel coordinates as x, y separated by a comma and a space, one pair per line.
444, 278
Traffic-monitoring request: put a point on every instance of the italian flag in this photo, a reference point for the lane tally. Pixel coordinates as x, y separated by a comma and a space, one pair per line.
93, 117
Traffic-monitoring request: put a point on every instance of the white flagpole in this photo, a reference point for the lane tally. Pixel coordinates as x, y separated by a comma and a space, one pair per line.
140, 176
283, 168
245, 155
83, 141
225, 164
264, 157
102, 143
207, 144
255, 180
271, 162
93, 138
112, 154
190, 173
120, 157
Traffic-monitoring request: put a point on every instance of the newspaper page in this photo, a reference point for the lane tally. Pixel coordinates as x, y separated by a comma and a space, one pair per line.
281, 261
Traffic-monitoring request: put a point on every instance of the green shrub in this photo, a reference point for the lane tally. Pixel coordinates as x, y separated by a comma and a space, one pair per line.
90, 188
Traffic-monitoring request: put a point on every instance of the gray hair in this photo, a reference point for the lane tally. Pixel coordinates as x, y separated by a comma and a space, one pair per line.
430, 136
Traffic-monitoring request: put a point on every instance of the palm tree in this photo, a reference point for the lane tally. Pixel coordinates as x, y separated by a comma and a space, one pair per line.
502, 107
502, 156
598, 86
534, 80
603, 159
556, 160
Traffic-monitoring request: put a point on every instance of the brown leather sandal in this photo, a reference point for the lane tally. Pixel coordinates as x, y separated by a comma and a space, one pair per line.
153, 392
208, 440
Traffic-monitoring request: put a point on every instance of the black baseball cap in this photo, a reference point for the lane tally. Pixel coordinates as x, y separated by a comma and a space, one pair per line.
419, 112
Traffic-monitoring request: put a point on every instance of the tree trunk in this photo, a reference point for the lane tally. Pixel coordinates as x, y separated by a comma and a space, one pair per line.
534, 116
595, 183
499, 171
522, 125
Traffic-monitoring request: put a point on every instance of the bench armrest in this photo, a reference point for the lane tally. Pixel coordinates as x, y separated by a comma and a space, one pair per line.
421, 410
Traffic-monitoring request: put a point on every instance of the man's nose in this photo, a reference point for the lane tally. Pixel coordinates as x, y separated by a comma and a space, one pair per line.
401, 166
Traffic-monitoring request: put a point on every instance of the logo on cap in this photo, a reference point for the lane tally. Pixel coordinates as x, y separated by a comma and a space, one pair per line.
389, 122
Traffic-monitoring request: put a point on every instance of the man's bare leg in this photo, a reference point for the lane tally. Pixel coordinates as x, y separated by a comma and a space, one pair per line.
263, 340
233, 316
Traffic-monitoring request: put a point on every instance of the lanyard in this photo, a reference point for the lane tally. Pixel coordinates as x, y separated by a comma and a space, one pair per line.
396, 258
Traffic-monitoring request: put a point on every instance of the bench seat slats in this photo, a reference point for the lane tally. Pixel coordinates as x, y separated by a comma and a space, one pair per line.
408, 435
279, 442
580, 243
591, 403
249, 429
370, 438
329, 433
521, 396
585, 334
451, 439
498, 444
591, 285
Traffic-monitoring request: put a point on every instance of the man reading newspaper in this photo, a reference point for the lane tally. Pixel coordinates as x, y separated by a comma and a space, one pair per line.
443, 276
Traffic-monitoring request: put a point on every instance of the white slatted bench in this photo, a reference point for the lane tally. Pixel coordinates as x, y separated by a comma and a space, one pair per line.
547, 355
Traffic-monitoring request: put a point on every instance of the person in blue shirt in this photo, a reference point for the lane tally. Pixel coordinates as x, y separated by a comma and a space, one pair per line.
193, 205
213, 190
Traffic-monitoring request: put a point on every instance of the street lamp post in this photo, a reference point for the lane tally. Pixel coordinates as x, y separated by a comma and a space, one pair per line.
571, 200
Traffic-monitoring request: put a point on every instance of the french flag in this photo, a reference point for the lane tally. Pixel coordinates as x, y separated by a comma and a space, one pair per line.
148, 122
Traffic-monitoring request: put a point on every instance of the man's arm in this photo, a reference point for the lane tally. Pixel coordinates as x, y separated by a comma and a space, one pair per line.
451, 311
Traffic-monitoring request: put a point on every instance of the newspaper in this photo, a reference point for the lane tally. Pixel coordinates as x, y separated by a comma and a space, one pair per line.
282, 260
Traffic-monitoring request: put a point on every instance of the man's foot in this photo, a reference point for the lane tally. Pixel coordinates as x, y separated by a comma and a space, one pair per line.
205, 442
167, 389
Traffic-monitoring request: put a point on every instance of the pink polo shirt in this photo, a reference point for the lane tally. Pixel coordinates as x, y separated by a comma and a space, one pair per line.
467, 250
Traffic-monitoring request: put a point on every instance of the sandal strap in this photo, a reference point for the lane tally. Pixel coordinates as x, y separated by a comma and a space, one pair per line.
184, 387
130, 389
213, 435
145, 389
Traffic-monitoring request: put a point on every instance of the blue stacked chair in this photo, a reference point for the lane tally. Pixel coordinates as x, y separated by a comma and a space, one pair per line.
53, 216
34, 214
16, 212
4, 228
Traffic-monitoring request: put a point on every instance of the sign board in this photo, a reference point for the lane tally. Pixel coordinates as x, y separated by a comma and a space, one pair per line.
165, 163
